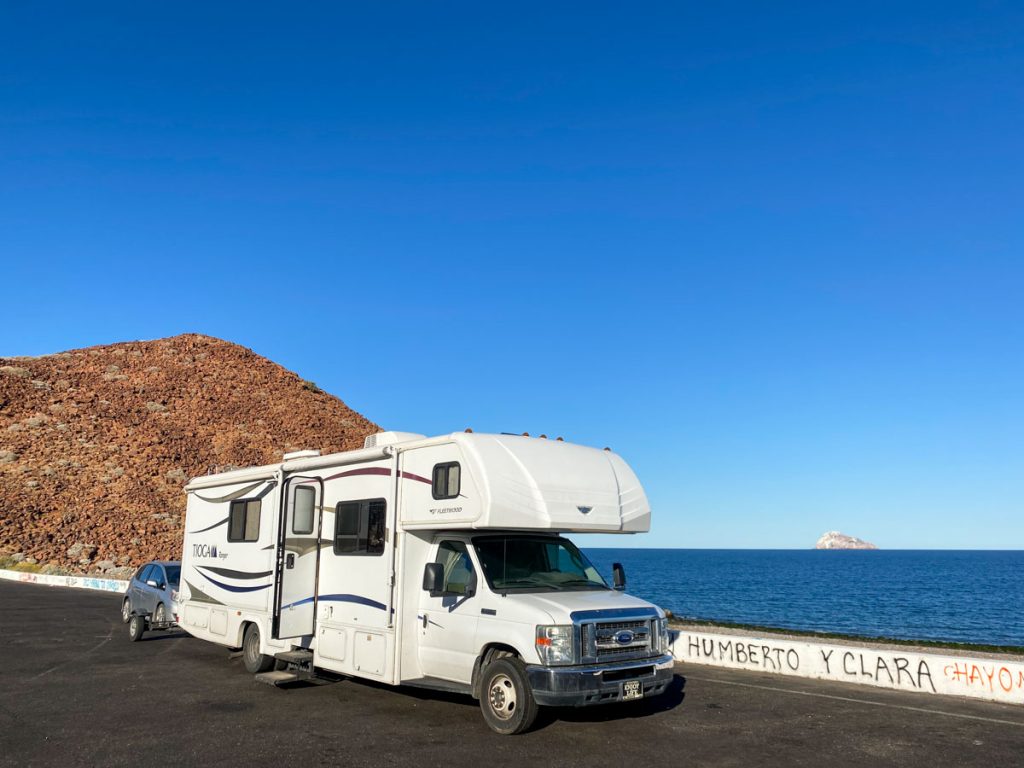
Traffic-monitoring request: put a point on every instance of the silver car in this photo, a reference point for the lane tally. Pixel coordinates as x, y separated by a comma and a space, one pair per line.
151, 593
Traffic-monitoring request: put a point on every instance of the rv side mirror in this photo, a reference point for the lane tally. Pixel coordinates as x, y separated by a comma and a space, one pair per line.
471, 585
433, 578
618, 576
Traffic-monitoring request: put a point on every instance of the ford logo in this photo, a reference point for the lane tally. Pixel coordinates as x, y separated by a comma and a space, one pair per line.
625, 637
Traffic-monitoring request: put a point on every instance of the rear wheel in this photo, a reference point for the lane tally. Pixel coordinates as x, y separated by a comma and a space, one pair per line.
136, 626
506, 700
126, 610
254, 660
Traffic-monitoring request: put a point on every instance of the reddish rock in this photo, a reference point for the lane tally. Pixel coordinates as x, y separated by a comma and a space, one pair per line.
95, 454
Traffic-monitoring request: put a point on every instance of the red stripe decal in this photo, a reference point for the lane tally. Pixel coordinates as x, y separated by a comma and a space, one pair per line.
411, 476
377, 471
363, 471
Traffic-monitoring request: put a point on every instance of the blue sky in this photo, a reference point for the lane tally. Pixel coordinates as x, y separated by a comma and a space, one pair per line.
772, 256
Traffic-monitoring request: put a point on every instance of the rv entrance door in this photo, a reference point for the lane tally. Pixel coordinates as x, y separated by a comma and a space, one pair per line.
298, 557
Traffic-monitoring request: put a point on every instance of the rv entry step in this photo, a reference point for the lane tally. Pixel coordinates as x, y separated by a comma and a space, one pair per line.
296, 665
300, 657
279, 677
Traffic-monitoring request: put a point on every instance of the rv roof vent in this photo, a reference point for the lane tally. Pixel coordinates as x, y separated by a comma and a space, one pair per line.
307, 454
390, 438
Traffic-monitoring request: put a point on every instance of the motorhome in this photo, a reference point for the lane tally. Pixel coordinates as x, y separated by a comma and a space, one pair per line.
438, 562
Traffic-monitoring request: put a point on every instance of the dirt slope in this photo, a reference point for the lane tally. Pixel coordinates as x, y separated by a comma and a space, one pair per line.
96, 444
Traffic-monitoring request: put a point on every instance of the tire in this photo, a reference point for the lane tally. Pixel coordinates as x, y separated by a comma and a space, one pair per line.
126, 610
255, 662
160, 614
136, 626
506, 700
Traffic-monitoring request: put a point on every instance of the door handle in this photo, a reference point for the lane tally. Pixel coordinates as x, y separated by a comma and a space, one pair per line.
289, 561
424, 617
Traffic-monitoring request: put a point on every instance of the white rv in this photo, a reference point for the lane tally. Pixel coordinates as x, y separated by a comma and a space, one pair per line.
434, 562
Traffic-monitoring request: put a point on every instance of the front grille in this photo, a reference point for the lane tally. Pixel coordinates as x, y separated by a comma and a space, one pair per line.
627, 652
616, 640
617, 625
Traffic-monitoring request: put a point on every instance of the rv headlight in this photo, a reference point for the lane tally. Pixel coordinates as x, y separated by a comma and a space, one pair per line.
661, 628
554, 644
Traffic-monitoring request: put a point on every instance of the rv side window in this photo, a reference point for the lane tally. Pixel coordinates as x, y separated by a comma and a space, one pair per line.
244, 520
302, 512
447, 478
458, 568
359, 527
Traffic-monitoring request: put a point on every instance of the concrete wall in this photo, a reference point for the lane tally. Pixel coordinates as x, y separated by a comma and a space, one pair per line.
995, 678
82, 582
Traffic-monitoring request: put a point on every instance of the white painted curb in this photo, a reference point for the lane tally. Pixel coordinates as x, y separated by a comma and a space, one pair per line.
81, 582
996, 679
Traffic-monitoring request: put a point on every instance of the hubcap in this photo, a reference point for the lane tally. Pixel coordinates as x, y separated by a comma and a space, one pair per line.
502, 696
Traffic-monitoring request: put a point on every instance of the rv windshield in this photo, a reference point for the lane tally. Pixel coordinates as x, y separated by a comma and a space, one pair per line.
534, 564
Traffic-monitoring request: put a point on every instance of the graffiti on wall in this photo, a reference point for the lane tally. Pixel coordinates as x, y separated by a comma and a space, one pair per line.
85, 582
999, 679
881, 668
898, 670
738, 651
989, 677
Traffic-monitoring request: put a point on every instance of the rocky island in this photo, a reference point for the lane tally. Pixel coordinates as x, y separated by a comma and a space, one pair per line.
837, 540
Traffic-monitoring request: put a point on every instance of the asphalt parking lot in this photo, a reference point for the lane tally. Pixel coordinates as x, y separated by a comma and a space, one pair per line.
75, 691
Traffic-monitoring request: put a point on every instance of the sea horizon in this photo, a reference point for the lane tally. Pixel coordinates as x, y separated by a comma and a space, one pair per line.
806, 549
958, 596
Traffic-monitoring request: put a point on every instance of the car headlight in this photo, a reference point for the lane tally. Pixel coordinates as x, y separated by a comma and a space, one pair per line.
554, 644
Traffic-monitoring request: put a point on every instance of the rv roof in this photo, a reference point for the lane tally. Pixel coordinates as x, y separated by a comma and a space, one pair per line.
525, 483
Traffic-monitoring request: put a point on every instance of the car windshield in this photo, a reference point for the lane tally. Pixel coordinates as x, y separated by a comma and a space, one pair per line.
535, 564
173, 574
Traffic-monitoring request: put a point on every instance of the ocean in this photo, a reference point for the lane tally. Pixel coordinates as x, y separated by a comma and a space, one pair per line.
959, 596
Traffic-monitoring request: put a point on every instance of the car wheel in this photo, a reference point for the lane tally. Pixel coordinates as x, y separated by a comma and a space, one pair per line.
506, 700
126, 610
160, 614
136, 626
254, 660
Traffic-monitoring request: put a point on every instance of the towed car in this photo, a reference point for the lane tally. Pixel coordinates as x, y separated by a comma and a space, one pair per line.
150, 597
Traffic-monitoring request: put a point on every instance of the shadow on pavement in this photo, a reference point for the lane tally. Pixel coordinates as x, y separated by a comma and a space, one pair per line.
158, 634
669, 700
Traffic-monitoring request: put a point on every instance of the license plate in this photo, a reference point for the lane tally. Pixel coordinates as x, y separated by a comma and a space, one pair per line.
632, 689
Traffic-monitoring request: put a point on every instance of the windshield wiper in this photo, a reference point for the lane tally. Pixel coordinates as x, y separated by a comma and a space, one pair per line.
524, 583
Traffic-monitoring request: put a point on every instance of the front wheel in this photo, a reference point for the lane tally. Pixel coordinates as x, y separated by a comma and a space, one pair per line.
252, 658
136, 626
506, 700
126, 610
160, 615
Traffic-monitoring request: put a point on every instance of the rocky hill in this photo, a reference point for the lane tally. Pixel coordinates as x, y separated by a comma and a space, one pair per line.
96, 444
837, 540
